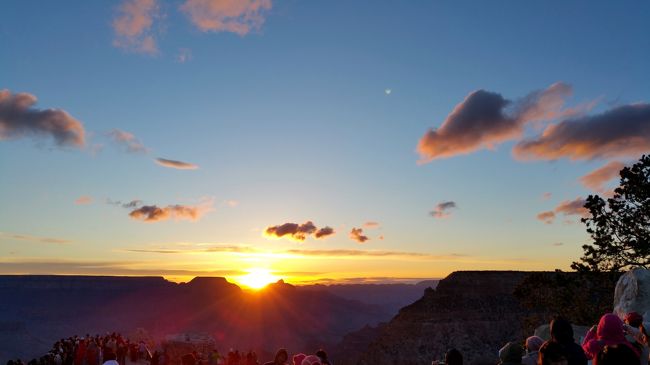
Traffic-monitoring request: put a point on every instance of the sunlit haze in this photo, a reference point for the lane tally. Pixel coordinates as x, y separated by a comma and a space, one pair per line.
312, 141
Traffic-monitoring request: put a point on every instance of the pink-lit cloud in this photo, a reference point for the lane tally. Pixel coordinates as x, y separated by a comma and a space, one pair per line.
371, 224
133, 26
547, 217
127, 140
597, 179
623, 131
19, 119
180, 165
573, 207
485, 119
356, 234
84, 200
235, 16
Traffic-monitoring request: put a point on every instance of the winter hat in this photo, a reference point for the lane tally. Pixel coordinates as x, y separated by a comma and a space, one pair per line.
297, 359
610, 329
634, 319
311, 360
533, 343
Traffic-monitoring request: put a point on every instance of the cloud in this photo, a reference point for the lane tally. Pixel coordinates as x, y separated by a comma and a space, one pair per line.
485, 119
356, 234
443, 209
332, 253
132, 26
19, 119
572, 207
176, 164
154, 213
232, 203
236, 16
547, 195
547, 217
566, 208
597, 179
371, 224
294, 231
128, 205
29, 238
324, 232
623, 131
127, 268
130, 143
558, 244
84, 200
194, 249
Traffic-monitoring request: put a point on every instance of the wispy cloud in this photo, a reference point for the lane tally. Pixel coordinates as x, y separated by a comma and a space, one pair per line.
596, 180
154, 213
180, 165
30, 238
485, 119
547, 217
73, 267
197, 249
623, 131
19, 118
84, 200
356, 234
235, 16
133, 26
573, 207
127, 140
443, 209
371, 225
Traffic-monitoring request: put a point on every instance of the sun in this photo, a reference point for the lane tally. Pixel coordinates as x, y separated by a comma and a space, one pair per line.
257, 278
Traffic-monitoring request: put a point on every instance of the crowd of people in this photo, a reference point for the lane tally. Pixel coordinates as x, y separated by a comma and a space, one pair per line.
612, 342
115, 349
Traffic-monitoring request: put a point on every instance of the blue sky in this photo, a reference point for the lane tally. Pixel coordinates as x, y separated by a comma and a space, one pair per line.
290, 122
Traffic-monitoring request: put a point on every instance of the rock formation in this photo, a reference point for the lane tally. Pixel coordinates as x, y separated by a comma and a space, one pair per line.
473, 311
632, 294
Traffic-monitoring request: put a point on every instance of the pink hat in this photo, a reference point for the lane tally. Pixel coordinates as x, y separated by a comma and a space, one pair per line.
311, 360
297, 359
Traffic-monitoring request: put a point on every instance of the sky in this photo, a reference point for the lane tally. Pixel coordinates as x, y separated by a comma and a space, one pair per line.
345, 141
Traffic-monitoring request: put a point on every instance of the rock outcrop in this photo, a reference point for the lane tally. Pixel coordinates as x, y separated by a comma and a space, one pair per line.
632, 294
473, 311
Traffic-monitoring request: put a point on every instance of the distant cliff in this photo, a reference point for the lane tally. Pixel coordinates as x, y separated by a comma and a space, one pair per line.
37, 310
473, 311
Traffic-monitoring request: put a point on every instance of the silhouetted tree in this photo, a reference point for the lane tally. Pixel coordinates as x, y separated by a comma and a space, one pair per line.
620, 225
